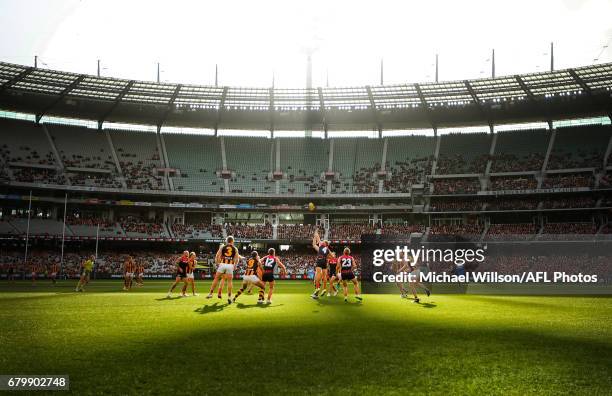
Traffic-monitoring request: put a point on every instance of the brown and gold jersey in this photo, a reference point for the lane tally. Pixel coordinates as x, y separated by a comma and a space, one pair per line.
228, 253
252, 265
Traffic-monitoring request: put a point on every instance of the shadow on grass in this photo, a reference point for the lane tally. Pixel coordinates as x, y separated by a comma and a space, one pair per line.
262, 306
168, 298
216, 307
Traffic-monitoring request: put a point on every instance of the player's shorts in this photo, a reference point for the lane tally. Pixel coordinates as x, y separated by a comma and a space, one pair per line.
347, 276
267, 277
52, 274
250, 278
129, 274
140, 275
331, 270
190, 275
415, 275
33, 274
227, 269
322, 264
181, 275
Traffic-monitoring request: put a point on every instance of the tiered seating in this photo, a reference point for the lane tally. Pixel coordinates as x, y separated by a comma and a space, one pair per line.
198, 158
568, 231
135, 227
408, 160
357, 161
36, 175
522, 203
88, 227
296, 231
568, 180
401, 229
40, 227
447, 232
455, 205
463, 153
139, 158
569, 202
350, 231
250, 231
7, 229
82, 147
25, 142
517, 151
513, 183
456, 186
579, 147
511, 232
252, 161
303, 161
197, 231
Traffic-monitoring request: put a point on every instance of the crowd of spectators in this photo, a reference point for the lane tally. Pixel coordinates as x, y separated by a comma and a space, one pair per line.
84, 161
38, 175
508, 162
455, 206
112, 263
296, 231
568, 231
350, 231
29, 156
401, 229
135, 225
574, 159
197, 230
503, 203
567, 181
513, 183
105, 180
456, 164
569, 202
456, 186
446, 232
511, 232
365, 180
250, 231
406, 173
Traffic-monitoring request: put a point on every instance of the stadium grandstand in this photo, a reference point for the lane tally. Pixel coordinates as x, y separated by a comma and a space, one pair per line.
138, 162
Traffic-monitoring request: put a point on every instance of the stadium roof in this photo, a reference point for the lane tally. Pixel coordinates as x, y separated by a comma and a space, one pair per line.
568, 93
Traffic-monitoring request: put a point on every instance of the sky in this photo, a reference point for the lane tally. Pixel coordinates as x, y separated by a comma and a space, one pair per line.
251, 41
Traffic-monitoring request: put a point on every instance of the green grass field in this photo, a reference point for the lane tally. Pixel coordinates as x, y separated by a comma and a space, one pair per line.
114, 342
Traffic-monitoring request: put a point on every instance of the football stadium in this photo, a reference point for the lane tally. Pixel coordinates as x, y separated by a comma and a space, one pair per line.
315, 214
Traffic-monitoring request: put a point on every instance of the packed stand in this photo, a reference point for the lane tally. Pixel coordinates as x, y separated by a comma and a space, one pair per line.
448, 232
511, 232
508, 162
296, 231
513, 183
455, 206
567, 181
456, 186
251, 231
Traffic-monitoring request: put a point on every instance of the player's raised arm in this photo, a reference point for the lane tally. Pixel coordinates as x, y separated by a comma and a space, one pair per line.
316, 239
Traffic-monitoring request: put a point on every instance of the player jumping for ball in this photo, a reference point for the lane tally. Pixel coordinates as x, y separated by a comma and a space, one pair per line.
322, 248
